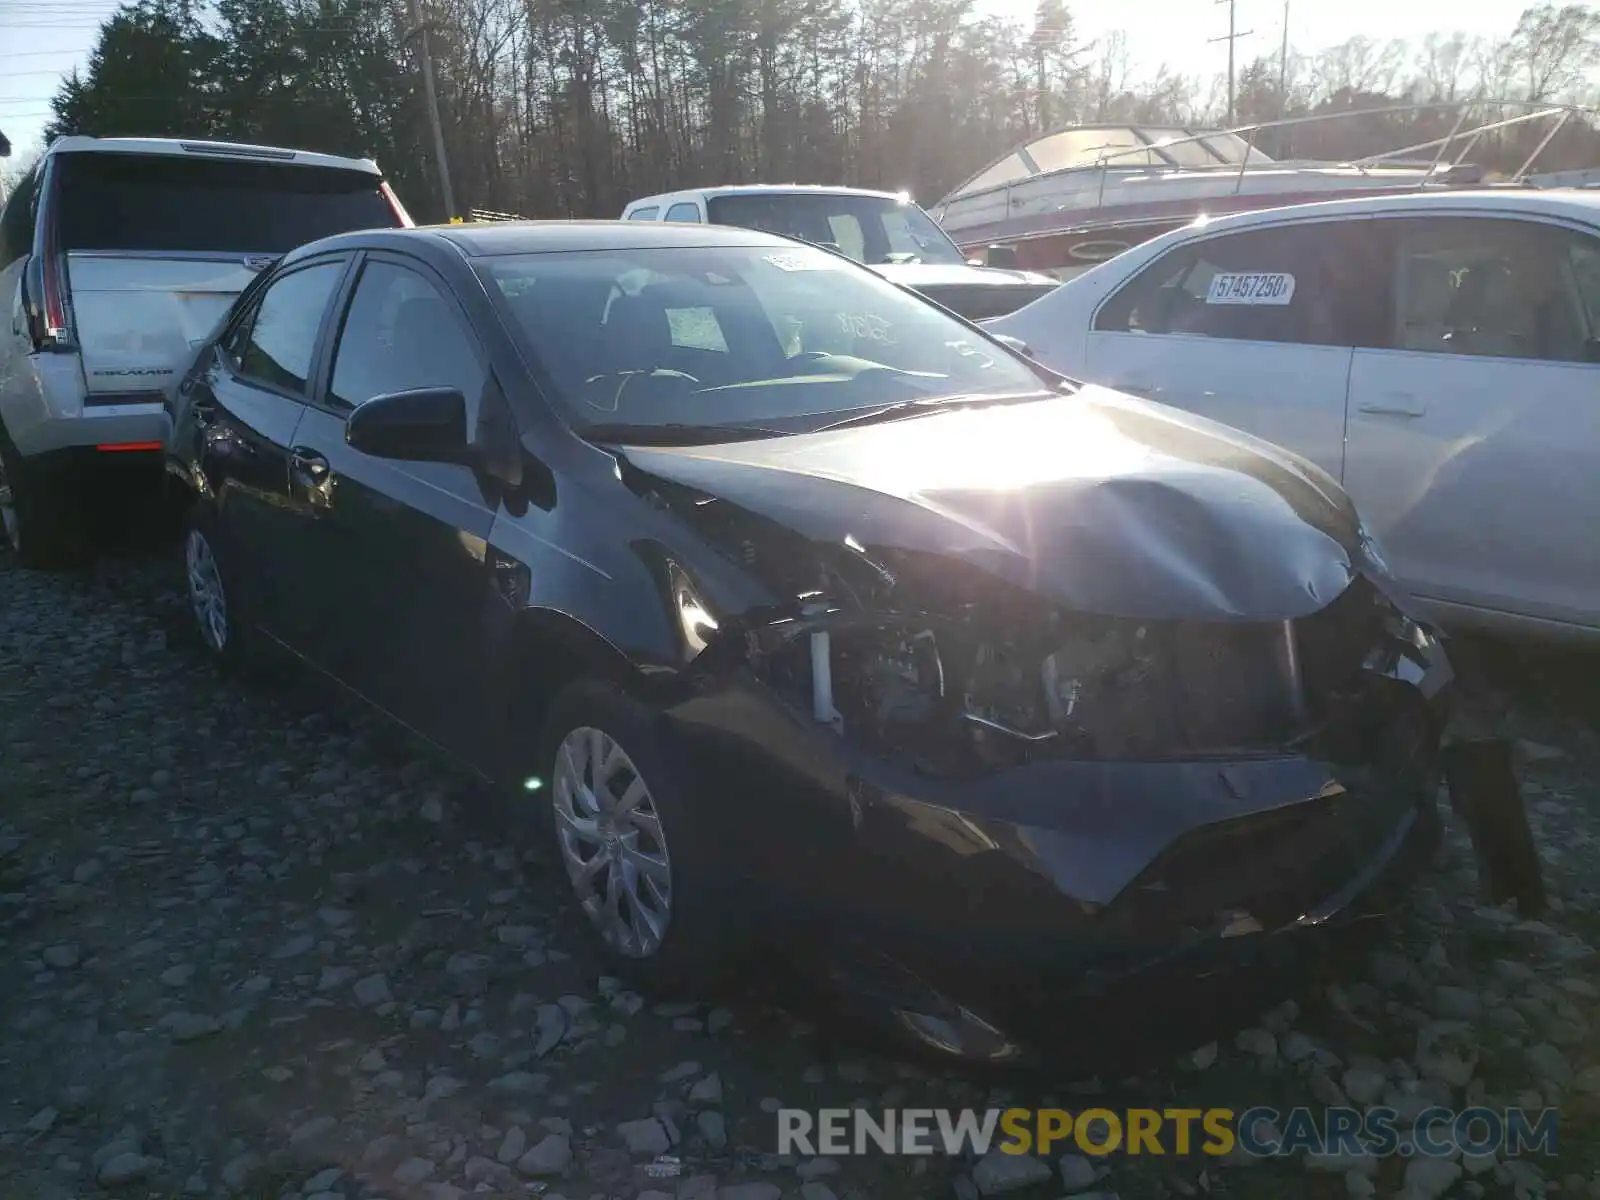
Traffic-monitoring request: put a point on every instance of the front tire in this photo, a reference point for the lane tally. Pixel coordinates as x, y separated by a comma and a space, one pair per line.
623, 819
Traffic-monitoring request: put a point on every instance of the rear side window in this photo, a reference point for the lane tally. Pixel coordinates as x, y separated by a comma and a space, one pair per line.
1264, 285
161, 202
645, 214
684, 212
1495, 289
283, 334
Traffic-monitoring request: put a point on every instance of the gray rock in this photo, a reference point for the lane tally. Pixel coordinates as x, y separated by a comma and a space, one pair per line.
1456, 1003
816, 1191
60, 957
299, 944
372, 991
1077, 1172
679, 1073
125, 1167
648, 1136
707, 1091
758, 1190
241, 1171
189, 1027
519, 1083
177, 976
1259, 1043
513, 1146
313, 1131
1364, 1087
442, 1087
414, 1170
1550, 1064
998, 1173
550, 1156
1296, 1046
816, 1168
323, 1181
712, 1127
42, 1121
552, 1028
1429, 1178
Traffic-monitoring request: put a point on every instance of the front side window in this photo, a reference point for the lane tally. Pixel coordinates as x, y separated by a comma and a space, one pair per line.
703, 337
1494, 288
684, 212
283, 336
869, 229
1265, 285
644, 214
400, 333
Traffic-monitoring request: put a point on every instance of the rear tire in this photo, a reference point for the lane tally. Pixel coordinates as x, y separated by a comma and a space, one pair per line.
619, 806
37, 525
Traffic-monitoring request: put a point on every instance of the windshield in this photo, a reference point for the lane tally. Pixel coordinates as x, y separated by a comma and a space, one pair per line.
778, 338
870, 229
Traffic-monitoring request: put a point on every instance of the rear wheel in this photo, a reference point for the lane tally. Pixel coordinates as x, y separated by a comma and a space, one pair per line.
37, 528
628, 837
215, 601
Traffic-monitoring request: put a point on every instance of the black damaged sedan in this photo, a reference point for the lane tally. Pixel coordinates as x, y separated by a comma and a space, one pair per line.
796, 611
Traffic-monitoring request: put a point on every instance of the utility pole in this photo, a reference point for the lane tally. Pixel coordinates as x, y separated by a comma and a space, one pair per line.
1283, 67
1232, 38
433, 112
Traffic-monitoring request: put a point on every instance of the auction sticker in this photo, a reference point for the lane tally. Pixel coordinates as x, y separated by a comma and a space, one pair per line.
1251, 287
802, 260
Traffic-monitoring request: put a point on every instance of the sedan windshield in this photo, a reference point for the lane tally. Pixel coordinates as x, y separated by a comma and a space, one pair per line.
870, 229
760, 338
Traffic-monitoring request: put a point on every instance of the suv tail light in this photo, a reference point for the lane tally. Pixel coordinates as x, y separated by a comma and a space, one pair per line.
46, 297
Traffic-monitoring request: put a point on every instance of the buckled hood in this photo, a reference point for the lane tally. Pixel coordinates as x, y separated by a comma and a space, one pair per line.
1096, 501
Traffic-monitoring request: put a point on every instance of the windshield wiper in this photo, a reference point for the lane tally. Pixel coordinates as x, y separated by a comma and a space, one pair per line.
923, 405
674, 433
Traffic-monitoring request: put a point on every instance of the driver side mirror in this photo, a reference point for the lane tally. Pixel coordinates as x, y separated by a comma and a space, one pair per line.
421, 425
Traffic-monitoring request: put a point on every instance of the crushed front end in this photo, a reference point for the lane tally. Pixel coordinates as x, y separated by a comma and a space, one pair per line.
1005, 819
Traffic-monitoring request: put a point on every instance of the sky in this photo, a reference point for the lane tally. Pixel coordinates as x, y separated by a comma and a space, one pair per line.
42, 39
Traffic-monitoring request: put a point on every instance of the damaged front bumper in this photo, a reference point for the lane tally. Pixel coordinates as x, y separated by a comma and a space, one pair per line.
1001, 915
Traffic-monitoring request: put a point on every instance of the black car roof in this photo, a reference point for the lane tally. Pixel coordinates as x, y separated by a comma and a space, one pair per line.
530, 237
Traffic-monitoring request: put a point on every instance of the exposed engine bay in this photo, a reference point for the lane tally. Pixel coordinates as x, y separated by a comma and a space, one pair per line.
938, 664
955, 673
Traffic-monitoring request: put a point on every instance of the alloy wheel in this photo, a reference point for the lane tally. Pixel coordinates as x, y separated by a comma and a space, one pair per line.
612, 843
206, 595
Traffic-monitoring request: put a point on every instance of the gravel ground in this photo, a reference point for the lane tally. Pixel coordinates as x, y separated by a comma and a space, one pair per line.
254, 948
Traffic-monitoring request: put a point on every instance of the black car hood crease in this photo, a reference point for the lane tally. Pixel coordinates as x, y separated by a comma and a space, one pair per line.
1095, 501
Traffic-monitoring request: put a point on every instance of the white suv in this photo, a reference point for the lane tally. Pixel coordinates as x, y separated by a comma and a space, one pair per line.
117, 256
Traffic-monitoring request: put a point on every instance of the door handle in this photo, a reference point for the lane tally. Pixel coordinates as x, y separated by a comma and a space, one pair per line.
1384, 410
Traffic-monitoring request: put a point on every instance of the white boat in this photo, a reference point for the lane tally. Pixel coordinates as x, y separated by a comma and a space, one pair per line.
1078, 196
